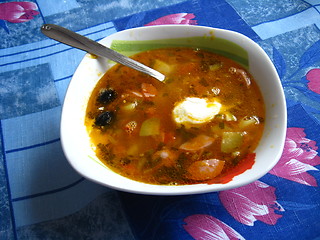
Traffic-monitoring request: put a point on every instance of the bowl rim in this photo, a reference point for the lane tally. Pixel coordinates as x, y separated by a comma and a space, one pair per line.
150, 189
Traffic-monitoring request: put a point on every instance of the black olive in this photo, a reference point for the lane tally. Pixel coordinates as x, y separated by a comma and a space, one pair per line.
104, 119
107, 95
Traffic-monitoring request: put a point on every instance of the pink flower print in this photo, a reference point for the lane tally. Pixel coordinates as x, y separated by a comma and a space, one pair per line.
178, 18
201, 226
255, 201
313, 76
299, 156
17, 12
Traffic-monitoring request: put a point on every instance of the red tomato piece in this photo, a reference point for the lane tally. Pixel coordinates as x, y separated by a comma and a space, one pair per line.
130, 126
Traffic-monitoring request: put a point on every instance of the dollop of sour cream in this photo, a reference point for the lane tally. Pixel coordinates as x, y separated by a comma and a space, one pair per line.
193, 111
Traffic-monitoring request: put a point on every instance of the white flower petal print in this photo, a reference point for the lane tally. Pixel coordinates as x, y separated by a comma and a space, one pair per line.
296, 167
299, 156
206, 227
253, 202
248, 210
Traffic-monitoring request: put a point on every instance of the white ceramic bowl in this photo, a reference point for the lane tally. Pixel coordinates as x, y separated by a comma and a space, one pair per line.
74, 137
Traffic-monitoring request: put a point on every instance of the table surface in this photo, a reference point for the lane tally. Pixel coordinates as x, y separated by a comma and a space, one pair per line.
42, 197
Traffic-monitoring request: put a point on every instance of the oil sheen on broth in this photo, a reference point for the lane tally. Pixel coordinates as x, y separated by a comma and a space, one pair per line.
197, 126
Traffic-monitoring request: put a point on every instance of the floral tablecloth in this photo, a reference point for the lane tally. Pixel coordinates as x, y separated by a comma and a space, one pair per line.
42, 197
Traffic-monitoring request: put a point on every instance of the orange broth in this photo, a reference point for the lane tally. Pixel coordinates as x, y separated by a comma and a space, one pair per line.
130, 118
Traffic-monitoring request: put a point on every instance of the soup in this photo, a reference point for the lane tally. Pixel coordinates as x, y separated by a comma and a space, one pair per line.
198, 126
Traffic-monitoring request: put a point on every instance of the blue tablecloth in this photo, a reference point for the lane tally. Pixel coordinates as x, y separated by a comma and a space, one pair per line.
42, 197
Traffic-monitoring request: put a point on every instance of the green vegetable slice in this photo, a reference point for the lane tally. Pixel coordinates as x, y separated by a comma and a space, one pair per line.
231, 141
150, 127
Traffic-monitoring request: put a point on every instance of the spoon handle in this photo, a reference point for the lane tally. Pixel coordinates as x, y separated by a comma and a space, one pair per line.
76, 40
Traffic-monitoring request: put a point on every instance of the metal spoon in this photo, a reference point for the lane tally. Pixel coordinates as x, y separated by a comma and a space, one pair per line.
76, 40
